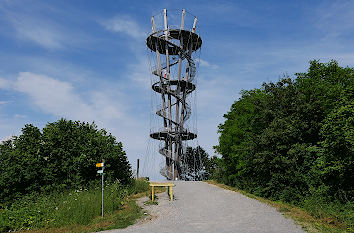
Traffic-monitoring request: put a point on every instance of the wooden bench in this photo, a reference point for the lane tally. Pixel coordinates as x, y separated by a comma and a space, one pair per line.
160, 184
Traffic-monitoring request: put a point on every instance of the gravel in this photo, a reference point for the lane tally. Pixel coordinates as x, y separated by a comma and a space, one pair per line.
201, 207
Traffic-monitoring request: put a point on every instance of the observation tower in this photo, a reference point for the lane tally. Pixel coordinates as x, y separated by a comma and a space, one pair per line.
174, 74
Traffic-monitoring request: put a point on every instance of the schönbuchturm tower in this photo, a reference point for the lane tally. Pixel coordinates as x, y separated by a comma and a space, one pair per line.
175, 71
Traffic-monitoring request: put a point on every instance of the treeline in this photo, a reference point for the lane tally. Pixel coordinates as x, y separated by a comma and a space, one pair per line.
293, 139
61, 156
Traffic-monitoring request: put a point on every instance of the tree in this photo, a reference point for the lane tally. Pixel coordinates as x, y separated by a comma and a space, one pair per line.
288, 138
21, 163
196, 164
62, 156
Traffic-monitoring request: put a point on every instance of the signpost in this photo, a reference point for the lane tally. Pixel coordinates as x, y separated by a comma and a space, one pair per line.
102, 175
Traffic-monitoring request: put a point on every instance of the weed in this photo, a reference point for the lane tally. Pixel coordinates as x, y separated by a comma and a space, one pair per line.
149, 202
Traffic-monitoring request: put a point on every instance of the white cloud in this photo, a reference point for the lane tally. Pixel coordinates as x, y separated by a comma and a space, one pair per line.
4, 102
43, 35
125, 25
206, 64
52, 96
4, 83
335, 17
37, 24
60, 99
20, 116
139, 73
108, 108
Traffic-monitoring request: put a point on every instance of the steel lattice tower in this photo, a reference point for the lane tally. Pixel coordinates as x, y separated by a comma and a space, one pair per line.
175, 70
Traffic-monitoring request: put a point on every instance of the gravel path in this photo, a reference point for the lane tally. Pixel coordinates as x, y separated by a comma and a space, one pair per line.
201, 207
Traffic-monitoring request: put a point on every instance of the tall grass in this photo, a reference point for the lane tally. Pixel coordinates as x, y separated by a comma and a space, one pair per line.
72, 207
333, 213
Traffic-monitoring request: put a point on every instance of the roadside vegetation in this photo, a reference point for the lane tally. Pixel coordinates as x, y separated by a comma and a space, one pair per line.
48, 180
293, 141
75, 210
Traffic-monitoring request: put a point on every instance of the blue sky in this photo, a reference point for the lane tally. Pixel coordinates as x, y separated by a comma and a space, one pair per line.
87, 60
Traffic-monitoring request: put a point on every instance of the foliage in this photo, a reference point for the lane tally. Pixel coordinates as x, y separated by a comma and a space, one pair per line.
196, 164
62, 156
293, 139
75, 207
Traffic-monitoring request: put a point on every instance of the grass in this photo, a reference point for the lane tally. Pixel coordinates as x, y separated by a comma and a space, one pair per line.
75, 211
118, 219
312, 217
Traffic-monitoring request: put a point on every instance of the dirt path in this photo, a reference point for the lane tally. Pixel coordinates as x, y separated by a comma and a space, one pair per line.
201, 207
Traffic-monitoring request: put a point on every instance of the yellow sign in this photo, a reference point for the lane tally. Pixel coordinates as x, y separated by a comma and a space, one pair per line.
99, 164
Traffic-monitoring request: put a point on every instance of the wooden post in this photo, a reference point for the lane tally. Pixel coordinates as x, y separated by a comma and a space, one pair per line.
152, 193
137, 170
171, 193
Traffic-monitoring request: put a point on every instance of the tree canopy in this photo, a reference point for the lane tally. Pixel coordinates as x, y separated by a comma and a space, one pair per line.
293, 138
62, 156
197, 165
